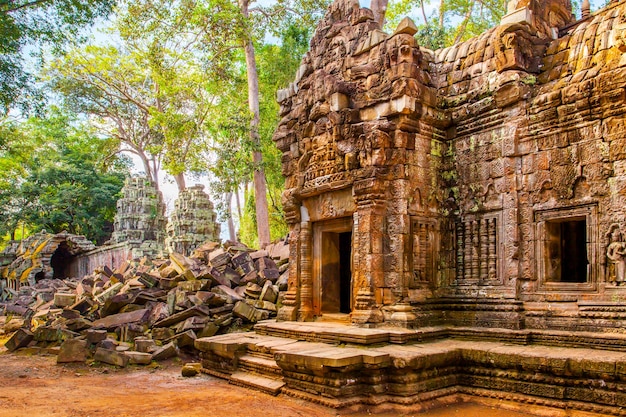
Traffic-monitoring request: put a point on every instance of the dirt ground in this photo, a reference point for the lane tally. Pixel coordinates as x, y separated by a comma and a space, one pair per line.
36, 386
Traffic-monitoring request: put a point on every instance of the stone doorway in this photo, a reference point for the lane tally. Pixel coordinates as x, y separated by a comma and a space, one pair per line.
61, 261
332, 267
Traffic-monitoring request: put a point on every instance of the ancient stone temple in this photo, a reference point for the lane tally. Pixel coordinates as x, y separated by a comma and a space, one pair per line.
482, 184
192, 222
140, 213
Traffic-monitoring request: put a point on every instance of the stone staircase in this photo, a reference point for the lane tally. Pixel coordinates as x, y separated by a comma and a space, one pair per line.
340, 366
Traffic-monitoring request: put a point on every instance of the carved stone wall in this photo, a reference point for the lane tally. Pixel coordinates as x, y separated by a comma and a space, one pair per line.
140, 213
192, 222
463, 169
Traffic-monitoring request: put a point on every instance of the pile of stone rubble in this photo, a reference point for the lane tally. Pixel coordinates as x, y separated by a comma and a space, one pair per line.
146, 309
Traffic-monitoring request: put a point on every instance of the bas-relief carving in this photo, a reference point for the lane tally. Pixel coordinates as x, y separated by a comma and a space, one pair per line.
616, 254
330, 205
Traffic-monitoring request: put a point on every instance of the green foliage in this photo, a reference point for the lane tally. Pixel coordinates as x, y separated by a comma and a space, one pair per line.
450, 22
46, 23
63, 182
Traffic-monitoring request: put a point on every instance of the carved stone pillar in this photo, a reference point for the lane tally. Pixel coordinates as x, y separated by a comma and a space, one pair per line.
306, 272
291, 300
368, 247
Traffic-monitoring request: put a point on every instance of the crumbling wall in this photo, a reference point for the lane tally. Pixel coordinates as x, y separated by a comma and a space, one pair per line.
192, 222
140, 213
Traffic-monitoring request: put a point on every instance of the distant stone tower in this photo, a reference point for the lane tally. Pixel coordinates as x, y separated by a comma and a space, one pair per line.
192, 222
140, 213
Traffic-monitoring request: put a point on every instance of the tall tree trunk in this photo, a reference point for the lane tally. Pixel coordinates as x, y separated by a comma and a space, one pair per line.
379, 7
238, 201
229, 213
180, 181
147, 167
442, 5
461, 29
424, 12
260, 185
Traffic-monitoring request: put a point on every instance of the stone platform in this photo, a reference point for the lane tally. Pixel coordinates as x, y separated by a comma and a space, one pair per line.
342, 366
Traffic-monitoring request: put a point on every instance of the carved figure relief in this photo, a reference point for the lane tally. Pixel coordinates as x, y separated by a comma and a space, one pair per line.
323, 165
616, 254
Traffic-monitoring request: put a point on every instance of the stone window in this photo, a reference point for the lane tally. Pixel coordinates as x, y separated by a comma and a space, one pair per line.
477, 249
566, 249
424, 243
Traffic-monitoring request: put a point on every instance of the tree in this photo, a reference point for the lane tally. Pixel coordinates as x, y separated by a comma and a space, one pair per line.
152, 95
27, 23
64, 182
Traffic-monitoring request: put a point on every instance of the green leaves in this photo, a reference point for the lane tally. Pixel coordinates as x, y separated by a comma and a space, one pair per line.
58, 176
48, 24
445, 22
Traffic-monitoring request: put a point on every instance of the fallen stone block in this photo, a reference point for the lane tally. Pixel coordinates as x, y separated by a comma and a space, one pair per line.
112, 357
165, 352
231, 295
200, 310
269, 292
73, 350
76, 325
138, 358
108, 293
185, 338
162, 333
116, 320
53, 334
245, 311
64, 299
83, 305
210, 329
21, 338
95, 336
145, 345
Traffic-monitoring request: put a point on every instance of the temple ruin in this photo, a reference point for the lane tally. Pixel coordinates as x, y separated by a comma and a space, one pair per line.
480, 184
192, 222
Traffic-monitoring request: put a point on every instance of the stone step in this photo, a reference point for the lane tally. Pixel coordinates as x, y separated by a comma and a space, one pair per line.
258, 365
261, 383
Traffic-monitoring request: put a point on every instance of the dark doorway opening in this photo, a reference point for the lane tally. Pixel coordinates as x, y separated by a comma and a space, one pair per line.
345, 271
60, 262
567, 258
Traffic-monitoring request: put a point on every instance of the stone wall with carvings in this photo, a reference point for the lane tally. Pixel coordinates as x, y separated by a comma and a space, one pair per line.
473, 175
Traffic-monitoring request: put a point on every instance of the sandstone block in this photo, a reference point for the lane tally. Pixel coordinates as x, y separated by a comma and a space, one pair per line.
145, 345
64, 299
165, 352
138, 358
112, 357
95, 336
21, 338
73, 350
245, 311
